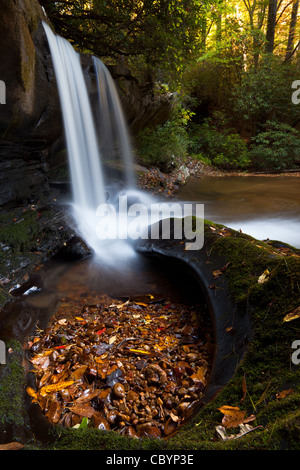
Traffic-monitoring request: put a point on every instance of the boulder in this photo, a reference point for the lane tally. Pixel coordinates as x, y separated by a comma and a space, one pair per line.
30, 116
31, 109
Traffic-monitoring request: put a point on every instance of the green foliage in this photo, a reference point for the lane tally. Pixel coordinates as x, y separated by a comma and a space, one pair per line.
265, 94
163, 32
277, 147
225, 149
162, 145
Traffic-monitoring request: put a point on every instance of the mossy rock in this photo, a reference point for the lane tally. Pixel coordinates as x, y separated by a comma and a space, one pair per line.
253, 329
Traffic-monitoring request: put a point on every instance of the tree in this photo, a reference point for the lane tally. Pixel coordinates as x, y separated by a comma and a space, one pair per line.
270, 35
292, 30
161, 33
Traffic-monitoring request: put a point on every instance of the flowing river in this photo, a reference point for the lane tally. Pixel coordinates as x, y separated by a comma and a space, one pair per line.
263, 207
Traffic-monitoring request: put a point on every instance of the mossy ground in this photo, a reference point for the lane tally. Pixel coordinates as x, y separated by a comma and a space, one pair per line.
28, 236
265, 370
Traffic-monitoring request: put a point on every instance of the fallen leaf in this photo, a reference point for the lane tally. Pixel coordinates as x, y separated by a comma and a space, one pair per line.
119, 305
42, 362
217, 273
264, 277
292, 315
54, 412
11, 446
284, 393
199, 376
244, 429
100, 331
244, 388
78, 373
112, 339
32, 393
233, 416
85, 398
174, 417
139, 351
55, 387
85, 410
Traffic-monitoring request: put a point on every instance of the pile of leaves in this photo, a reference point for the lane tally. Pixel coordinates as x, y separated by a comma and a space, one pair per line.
138, 367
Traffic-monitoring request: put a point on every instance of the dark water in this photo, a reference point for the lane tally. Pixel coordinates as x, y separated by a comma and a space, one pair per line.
264, 207
86, 280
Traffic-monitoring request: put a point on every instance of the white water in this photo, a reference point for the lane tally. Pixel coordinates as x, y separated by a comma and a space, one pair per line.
80, 132
88, 147
113, 135
109, 225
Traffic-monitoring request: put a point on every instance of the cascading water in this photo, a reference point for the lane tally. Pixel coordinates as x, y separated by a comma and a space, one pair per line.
89, 147
80, 132
113, 135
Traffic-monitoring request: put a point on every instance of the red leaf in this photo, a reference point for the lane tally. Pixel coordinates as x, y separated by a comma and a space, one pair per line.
100, 331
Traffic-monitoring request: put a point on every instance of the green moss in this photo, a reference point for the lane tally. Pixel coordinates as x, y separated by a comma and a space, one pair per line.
266, 367
12, 384
19, 234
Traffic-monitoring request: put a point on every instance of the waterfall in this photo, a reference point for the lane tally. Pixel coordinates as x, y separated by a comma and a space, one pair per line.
81, 138
89, 146
113, 134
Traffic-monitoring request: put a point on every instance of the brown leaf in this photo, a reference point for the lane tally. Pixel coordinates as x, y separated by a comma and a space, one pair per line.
32, 393
233, 416
42, 362
86, 397
54, 412
85, 410
284, 393
55, 387
78, 373
11, 446
244, 388
199, 376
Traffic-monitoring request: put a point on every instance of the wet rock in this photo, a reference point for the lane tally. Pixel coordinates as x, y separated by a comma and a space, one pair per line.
74, 249
119, 390
100, 422
155, 374
183, 173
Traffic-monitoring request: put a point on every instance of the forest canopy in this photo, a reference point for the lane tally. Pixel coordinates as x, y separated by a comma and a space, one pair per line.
232, 64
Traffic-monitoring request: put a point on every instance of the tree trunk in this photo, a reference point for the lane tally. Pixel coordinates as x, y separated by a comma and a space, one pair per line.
270, 36
293, 24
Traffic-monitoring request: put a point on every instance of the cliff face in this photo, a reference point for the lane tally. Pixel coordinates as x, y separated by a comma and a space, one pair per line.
30, 120
31, 130
31, 110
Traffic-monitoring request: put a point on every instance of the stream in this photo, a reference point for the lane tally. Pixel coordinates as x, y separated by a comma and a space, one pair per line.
263, 207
